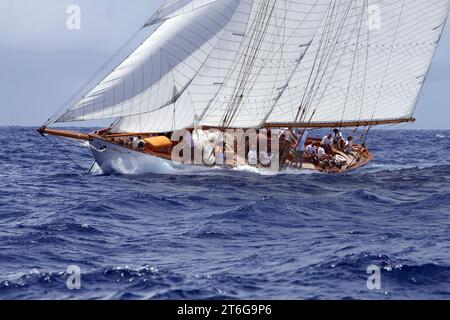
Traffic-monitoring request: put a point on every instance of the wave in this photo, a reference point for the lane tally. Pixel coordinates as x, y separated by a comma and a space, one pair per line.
112, 283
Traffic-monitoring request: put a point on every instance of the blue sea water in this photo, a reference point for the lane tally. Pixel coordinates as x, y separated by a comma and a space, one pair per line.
225, 234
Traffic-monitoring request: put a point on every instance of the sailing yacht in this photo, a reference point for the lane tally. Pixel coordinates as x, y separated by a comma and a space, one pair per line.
240, 82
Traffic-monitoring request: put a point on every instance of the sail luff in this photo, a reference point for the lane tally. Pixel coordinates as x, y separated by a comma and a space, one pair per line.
444, 24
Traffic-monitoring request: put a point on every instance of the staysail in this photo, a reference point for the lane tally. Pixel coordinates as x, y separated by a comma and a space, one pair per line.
155, 74
244, 63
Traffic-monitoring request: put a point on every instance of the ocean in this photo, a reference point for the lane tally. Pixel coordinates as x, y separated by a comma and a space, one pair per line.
228, 234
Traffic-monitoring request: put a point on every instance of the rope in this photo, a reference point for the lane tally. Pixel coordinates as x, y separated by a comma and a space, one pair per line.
92, 167
63, 150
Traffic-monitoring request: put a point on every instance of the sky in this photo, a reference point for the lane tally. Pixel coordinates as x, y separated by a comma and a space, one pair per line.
43, 61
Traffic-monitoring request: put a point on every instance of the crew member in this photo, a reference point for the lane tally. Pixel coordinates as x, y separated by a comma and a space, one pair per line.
327, 143
302, 136
321, 154
348, 148
337, 136
311, 151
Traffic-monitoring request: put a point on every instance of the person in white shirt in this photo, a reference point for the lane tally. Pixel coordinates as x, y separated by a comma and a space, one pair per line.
349, 145
337, 136
327, 143
302, 136
321, 154
311, 152
323, 158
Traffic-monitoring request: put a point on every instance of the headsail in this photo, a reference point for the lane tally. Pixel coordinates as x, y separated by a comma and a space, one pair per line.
165, 63
244, 63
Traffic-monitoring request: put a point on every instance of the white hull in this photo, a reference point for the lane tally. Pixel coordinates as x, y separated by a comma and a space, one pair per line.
113, 158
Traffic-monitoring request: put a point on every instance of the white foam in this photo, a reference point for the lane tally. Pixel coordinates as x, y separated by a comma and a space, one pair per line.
161, 166
84, 144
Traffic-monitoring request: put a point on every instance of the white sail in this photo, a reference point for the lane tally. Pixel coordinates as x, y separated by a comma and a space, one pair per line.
277, 36
158, 72
231, 63
267, 39
203, 86
373, 67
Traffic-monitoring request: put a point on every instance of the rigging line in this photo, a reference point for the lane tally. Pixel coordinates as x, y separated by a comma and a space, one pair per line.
326, 36
64, 108
323, 61
326, 26
250, 77
230, 72
276, 40
63, 150
326, 62
364, 82
353, 63
92, 167
273, 53
328, 55
252, 49
282, 70
255, 43
389, 59
299, 60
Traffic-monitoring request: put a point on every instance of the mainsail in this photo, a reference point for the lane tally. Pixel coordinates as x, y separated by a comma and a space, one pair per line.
244, 63
369, 62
